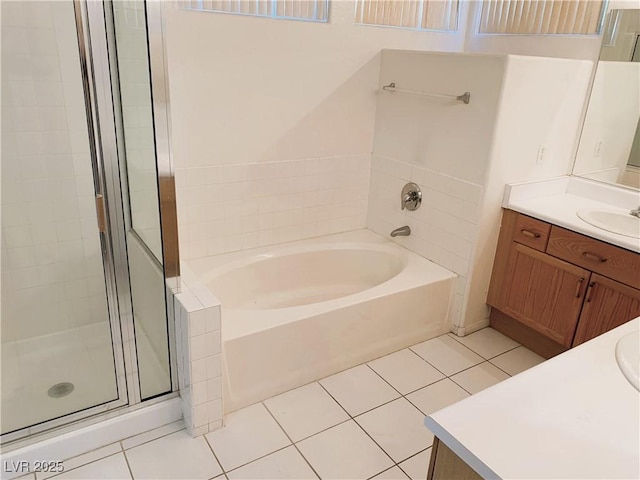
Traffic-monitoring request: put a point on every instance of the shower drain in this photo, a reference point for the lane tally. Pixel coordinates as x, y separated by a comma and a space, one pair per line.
61, 390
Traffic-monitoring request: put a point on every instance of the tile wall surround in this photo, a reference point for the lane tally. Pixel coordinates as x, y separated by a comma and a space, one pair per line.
51, 259
224, 208
198, 352
444, 228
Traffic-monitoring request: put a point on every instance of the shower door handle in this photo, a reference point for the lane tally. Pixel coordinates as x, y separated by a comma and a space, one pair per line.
101, 214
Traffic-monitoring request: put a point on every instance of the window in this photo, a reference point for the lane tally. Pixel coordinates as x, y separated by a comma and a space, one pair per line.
546, 17
416, 14
310, 10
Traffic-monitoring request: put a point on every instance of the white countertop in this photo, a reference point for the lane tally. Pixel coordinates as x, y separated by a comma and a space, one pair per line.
557, 201
574, 416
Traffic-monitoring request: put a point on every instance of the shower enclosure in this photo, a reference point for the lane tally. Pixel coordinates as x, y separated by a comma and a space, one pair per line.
83, 323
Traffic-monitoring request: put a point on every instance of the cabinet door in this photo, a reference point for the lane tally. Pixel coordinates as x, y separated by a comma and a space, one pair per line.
543, 292
608, 304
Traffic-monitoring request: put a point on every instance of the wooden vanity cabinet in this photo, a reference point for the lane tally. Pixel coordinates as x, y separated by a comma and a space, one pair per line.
444, 464
607, 305
552, 289
543, 292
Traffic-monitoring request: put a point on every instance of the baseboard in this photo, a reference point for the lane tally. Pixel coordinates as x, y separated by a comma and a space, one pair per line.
91, 437
524, 335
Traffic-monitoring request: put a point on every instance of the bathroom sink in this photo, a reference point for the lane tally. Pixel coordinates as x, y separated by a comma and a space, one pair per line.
619, 222
628, 357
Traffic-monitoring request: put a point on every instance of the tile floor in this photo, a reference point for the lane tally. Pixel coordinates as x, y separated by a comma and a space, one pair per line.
365, 422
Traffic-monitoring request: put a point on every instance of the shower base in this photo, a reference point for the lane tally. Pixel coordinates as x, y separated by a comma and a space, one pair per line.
81, 356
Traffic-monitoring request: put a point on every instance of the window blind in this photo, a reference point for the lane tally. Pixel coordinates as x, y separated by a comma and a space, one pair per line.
312, 10
550, 17
416, 14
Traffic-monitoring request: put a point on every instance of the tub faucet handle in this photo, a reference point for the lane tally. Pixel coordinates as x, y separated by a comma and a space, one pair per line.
410, 197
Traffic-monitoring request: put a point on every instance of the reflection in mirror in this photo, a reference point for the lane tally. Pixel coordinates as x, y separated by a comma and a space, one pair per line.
609, 147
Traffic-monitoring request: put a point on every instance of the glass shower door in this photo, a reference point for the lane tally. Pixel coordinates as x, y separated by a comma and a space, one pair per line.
61, 348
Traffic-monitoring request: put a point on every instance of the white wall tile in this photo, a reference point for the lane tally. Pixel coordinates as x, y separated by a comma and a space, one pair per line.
198, 343
49, 243
235, 207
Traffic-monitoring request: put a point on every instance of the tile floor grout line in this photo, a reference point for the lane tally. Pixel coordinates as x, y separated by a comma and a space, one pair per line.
425, 360
223, 474
471, 394
150, 430
385, 470
379, 446
291, 440
323, 430
148, 441
506, 373
507, 351
85, 464
467, 368
254, 460
126, 460
360, 426
335, 400
455, 337
425, 386
307, 461
477, 365
425, 414
206, 440
384, 379
460, 343
414, 455
402, 469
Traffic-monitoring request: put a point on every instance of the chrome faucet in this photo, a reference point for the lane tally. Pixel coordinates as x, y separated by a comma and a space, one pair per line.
410, 197
401, 232
635, 212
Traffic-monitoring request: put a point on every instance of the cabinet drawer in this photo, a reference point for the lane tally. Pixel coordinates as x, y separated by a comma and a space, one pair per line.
531, 232
600, 257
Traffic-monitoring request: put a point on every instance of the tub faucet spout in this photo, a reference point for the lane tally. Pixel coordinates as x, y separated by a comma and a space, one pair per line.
402, 231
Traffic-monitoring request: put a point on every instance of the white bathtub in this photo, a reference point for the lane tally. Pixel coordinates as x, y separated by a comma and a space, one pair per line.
293, 313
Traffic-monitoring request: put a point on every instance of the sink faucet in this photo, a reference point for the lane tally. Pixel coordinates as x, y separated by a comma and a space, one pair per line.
402, 231
635, 212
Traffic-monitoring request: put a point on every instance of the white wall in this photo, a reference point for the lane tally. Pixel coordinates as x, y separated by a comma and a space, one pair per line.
271, 90
551, 118
52, 275
463, 155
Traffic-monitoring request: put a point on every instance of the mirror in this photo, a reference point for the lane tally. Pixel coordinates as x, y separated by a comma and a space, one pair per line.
609, 148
